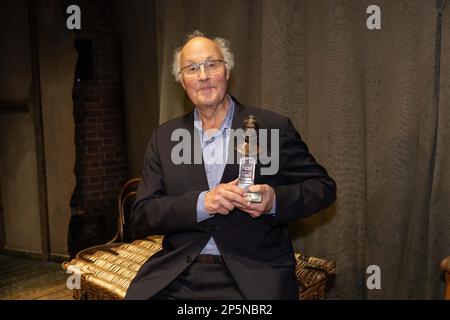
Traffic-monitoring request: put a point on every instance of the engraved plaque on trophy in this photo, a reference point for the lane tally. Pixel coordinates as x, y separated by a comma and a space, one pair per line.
247, 163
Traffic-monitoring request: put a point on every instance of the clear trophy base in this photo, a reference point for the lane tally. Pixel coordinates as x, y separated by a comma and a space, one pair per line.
254, 197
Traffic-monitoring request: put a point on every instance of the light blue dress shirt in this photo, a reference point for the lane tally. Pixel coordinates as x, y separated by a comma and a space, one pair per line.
215, 155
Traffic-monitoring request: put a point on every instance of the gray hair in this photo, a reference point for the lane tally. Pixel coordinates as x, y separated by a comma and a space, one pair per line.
224, 47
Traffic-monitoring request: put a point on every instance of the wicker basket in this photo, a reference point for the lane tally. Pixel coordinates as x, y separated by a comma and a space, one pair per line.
106, 271
312, 276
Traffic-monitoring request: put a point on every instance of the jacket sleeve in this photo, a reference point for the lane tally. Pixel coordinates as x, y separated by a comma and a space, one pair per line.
308, 186
154, 212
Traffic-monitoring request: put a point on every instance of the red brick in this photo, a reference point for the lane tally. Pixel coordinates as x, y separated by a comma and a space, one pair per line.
92, 150
107, 98
94, 203
105, 134
108, 112
116, 169
111, 185
94, 172
110, 163
107, 127
90, 99
93, 158
109, 120
92, 143
92, 113
108, 149
95, 195
110, 178
95, 164
102, 161
95, 187
94, 179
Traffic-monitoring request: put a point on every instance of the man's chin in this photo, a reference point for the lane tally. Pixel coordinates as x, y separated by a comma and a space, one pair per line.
207, 96
208, 102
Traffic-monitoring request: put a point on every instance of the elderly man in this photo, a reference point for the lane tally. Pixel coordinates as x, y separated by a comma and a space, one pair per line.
218, 244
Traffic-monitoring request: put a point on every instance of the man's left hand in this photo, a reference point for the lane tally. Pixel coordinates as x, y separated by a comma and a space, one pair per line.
257, 209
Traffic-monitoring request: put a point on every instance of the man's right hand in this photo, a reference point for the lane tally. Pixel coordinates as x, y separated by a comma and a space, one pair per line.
221, 199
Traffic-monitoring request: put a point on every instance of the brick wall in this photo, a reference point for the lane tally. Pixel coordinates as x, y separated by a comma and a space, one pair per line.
101, 154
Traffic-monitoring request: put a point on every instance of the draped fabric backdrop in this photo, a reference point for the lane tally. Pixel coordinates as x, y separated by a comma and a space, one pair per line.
373, 109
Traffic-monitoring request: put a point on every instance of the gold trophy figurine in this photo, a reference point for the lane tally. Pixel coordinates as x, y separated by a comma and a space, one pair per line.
247, 163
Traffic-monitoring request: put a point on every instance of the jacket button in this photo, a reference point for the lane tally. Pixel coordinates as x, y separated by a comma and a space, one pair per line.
188, 259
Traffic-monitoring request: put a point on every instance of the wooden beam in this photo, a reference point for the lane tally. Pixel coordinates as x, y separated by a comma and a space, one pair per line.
36, 110
2, 224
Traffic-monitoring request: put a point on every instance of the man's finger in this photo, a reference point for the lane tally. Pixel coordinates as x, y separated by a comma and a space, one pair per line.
223, 211
242, 206
255, 206
226, 204
234, 188
236, 198
234, 182
250, 211
254, 214
261, 188
251, 206
238, 190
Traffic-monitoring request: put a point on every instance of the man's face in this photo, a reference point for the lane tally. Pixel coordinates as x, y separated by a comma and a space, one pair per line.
205, 89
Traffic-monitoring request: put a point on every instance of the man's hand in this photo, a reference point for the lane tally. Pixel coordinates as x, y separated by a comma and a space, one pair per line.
223, 198
257, 209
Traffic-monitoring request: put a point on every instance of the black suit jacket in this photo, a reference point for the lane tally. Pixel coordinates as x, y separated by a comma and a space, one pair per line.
258, 252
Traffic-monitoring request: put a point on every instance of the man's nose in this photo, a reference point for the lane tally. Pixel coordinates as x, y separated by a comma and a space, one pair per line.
203, 75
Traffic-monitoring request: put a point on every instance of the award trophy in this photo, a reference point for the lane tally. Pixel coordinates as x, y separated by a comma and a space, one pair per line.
247, 163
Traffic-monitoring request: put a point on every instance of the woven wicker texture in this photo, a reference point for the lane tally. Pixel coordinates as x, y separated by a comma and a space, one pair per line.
107, 270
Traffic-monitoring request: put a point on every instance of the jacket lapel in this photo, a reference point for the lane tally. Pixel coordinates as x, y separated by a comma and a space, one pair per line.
231, 171
196, 171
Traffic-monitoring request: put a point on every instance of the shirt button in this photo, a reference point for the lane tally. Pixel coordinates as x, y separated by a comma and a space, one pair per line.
188, 259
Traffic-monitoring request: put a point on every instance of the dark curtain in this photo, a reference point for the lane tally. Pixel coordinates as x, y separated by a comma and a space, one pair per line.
372, 105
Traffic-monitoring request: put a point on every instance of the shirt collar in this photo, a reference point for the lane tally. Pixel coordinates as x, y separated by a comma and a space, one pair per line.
226, 124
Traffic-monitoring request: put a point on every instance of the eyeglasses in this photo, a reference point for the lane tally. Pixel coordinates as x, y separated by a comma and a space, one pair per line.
210, 66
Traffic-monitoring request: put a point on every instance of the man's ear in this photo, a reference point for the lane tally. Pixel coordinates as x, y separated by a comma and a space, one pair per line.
228, 74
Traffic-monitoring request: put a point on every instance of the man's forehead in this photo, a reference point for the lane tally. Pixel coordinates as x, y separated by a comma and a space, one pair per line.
200, 48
